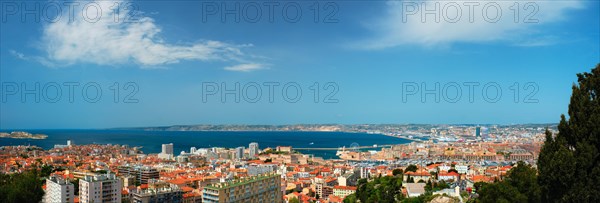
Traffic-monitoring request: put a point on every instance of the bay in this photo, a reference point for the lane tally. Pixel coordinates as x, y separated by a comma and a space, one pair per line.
183, 140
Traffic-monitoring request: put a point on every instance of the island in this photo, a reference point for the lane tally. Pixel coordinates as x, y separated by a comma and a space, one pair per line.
22, 135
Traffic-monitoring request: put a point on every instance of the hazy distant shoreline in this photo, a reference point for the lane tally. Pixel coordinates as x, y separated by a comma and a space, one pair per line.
23, 135
349, 128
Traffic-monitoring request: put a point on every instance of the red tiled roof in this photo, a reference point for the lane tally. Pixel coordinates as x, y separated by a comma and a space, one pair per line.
339, 187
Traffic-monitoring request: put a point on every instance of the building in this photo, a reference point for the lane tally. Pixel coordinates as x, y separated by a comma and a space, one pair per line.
521, 156
157, 192
347, 179
343, 191
255, 169
451, 176
261, 189
478, 131
364, 172
414, 189
323, 190
253, 149
167, 151
100, 188
287, 149
141, 173
462, 169
80, 174
417, 176
450, 192
69, 143
239, 153
58, 190
128, 180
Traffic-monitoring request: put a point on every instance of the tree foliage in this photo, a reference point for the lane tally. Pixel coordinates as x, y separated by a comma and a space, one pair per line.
436, 185
397, 172
520, 185
21, 187
569, 163
501, 192
412, 168
350, 198
386, 189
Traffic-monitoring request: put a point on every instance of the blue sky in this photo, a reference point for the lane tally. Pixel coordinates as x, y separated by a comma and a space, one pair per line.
363, 55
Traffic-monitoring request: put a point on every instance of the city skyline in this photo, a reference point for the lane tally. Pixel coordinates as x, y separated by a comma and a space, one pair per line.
299, 101
161, 66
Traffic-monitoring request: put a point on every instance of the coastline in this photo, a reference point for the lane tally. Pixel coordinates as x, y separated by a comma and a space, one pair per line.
23, 135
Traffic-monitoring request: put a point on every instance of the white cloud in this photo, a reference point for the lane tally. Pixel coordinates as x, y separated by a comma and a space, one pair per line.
115, 42
398, 27
18, 55
38, 59
245, 67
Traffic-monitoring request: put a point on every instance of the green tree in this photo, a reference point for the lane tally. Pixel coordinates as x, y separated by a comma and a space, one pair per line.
412, 168
410, 179
350, 198
21, 187
397, 172
501, 192
569, 163
524, 178
386, 189
46, 170
294, 200
520, 185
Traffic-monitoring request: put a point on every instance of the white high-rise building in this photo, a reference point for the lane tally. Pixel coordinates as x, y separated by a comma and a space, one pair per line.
253, 149
192, 150
167, 148
167, 151
239, 153
104, 188
59, 190
364, 172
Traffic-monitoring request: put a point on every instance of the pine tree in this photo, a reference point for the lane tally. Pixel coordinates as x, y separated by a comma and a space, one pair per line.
569, 163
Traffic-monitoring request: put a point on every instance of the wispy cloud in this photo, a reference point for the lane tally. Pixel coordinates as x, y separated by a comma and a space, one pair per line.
38, 59
245, 67
116, 42
410, 27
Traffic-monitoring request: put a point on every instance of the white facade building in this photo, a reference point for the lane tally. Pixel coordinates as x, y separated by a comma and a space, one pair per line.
239, 153
364, 172
104, 188
253, 149
167, 151
462, 169
58, 190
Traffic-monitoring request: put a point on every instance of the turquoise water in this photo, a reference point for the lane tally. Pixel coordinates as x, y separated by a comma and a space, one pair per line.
151, 140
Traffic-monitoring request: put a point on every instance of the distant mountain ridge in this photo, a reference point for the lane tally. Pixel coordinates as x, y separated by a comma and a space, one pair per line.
326, 127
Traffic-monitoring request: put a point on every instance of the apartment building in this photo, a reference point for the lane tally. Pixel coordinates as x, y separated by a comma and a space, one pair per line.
157, 192
58, 190
104, 188
264, 188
